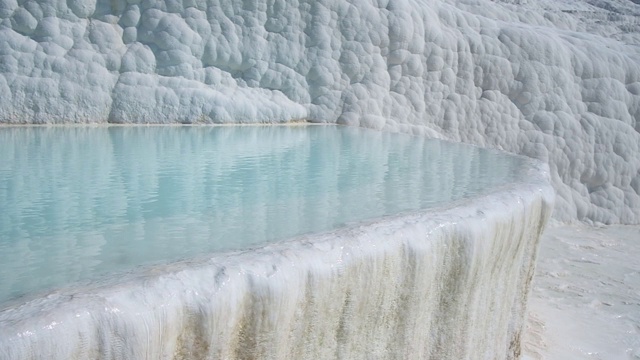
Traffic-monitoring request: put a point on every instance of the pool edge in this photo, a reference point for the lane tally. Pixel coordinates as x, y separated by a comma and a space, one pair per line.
323, 295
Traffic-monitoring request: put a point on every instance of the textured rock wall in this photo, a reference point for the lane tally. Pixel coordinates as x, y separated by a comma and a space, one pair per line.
555, 80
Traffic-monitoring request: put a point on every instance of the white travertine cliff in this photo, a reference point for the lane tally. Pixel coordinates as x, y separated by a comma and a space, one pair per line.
555, 80
558, 81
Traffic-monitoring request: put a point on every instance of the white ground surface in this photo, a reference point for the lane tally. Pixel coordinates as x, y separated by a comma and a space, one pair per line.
585, 302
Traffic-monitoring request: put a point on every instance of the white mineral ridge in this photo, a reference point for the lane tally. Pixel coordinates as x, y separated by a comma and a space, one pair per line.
555, 80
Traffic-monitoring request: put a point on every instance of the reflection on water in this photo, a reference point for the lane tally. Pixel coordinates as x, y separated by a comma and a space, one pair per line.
80, 202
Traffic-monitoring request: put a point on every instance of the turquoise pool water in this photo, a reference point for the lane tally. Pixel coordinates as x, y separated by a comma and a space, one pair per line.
81, 203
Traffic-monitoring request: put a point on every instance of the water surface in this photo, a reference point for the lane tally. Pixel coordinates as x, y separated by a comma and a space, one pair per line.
77, 203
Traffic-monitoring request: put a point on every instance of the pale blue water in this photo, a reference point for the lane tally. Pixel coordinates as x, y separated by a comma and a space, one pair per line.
79, 203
